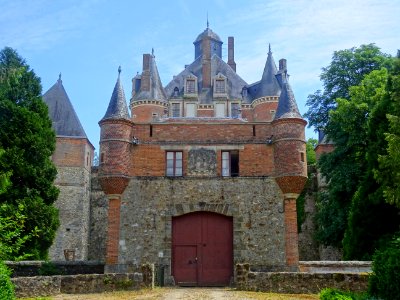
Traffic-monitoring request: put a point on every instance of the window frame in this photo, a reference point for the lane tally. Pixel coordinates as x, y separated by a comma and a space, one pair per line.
230, 164
175, 164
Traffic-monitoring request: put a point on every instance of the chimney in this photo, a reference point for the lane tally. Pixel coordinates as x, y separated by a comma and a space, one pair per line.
231, 53
206, 62
145, 80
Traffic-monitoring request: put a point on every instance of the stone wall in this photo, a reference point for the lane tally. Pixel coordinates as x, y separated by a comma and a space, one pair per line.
73, 205
149, 204
98, 220
32, 268
41, 286
298, 283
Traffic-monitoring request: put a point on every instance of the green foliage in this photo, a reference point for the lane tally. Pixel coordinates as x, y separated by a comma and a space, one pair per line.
6, 286
385, 279
12, 237
387, 173
368, 206
348, 68
348, 213
29, 141
334, 294
310, 146
49, 269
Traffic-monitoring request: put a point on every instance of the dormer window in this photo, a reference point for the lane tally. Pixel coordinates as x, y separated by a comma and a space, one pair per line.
191, 85
220, 86
219, 83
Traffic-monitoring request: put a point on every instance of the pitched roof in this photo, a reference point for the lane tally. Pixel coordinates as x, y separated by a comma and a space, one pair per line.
156, 91
62, 114
287, 106
117, 108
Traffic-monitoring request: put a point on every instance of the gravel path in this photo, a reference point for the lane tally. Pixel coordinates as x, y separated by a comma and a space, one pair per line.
185, 293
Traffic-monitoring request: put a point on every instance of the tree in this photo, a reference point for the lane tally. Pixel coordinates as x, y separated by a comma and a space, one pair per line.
29, 141
353, 204
387, 173
310, 146
348, 68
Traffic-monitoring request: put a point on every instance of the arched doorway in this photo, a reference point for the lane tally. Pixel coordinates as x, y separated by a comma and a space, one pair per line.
202, 249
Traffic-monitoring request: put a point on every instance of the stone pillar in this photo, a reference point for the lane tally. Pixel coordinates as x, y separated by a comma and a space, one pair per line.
114, 206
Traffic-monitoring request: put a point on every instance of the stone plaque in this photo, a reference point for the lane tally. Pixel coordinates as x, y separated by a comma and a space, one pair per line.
202, 162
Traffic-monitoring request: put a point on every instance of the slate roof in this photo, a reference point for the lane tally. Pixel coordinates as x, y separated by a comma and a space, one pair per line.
117, 108
287, 106
208, 33
234, 82
156, 89
65, 122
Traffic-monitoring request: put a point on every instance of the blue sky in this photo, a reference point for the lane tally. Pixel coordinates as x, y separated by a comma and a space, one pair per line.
87, 40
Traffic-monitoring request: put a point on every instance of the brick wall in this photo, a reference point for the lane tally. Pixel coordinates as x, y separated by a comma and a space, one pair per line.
146, 112
73, 152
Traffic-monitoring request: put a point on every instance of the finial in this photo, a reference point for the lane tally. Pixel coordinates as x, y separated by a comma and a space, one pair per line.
119, 71
208, 24
152, 51
59, 77
269, 48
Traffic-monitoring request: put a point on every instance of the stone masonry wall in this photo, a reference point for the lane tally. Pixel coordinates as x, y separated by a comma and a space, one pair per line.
73, 204
298, 283
148, 205
98, 220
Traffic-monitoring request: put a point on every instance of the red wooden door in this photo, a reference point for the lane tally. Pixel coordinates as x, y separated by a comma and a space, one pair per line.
202, 249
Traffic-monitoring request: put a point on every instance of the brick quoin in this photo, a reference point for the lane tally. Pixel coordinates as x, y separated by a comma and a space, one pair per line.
291, 235
114, 206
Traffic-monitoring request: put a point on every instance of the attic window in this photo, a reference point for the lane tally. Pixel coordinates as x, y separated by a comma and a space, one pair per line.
220, 86
190, 86
176, 92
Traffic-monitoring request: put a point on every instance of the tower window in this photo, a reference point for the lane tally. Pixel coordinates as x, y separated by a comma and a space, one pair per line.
190, 86
230, 163
174, 163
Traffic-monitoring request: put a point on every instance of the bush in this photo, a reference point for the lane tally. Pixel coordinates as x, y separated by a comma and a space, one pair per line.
6, 287
385, 279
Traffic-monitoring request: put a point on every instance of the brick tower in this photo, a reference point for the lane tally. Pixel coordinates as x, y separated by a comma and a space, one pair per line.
115, 143
290, 160
148, 102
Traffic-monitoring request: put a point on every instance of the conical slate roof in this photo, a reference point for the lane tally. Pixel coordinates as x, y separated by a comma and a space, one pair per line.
287, 106
156, 91
268, 85
61, 112
117, 108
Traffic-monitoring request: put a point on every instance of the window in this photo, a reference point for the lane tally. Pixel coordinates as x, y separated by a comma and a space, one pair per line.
190, 86
235, 110
220, 86
230, 163
190, 110
220, 110
174, 163
176, 110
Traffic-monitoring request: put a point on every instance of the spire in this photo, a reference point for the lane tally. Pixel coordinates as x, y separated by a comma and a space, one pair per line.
287, 106
65, 121
117, 108
269, 85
